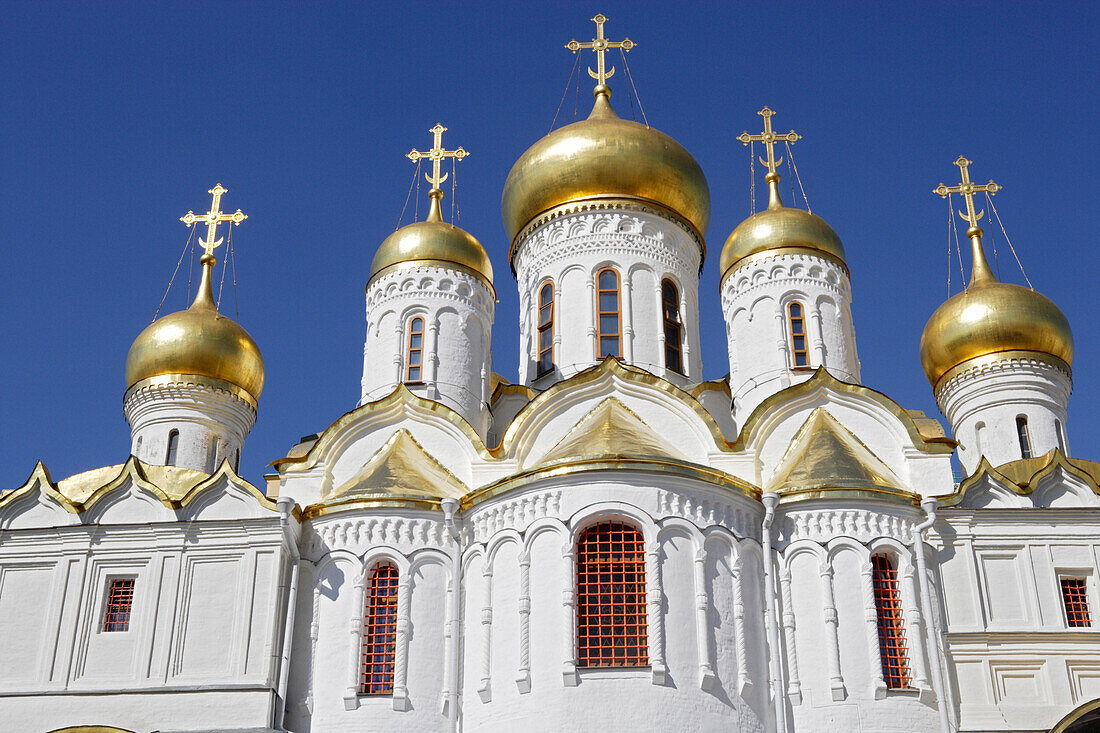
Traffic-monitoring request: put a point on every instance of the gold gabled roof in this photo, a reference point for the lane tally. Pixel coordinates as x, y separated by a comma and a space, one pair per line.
401, 469
825, 457
612, 429
1022, 476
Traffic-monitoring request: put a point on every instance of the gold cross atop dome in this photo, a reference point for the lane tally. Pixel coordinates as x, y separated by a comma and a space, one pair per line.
436, 155
212, 219
600, 45
968, 189
769, 138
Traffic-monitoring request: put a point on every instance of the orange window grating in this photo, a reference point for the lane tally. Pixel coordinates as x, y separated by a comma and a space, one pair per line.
1076, 600
414, 365
611, 612
607, 317
120, 599
891, 633
546, 329
800, 354
379, 633
670, 306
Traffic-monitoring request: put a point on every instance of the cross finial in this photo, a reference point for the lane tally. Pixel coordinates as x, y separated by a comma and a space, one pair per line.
770, 138
212, 219
981, 271
600, 45
436, 155
968, 189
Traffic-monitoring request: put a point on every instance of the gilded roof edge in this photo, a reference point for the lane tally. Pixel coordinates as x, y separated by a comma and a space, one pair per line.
1021, 476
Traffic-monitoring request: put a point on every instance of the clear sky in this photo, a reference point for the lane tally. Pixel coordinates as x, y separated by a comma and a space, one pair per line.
115, 119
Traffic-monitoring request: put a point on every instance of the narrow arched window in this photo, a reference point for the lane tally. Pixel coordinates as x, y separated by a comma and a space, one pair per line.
670, 308
173, 448
237, 460
379, 632
891, 632
212, 455
1060, 435
609, 318
796, 319
546, 329
1024, 435
611, 613
414, 361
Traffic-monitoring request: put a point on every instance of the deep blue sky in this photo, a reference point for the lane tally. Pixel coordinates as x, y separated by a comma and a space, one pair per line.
115, 119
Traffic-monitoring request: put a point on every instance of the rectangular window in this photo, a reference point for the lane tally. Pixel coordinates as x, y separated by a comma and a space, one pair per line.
607, 321
800, 353
1076, 601
120, 599
546, 329
891, 633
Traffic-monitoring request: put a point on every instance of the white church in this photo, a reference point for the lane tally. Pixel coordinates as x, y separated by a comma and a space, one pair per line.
608, 543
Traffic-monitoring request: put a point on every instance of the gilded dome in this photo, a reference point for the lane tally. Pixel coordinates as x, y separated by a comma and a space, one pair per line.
778, 227
991, 317
605, 157
198, 341
433, 240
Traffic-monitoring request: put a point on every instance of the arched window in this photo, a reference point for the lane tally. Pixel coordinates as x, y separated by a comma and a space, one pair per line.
379, 632
1024, 435
1060, 435
611, 613
607, 283
546, 329
173, 448
212, 455
891, 633
800, 354
670, 307
414, 358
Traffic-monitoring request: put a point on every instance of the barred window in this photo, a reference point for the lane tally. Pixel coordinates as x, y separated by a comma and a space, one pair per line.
546, 329
120, 600
800, 353
1076, 601
415, 354
891, 632
379, 632
670, 309
611, 612
608, 316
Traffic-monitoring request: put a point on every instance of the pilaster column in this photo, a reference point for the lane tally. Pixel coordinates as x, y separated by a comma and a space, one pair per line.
485, 690
627, 294
401, 645
794, 685
744, 683
832, 643
702, 627
569, 638
655, 620
523, 679
355, 629
818, 337
870, 618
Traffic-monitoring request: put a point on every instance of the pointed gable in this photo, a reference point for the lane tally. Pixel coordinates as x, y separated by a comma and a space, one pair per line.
825, 455
401, 468
611, 429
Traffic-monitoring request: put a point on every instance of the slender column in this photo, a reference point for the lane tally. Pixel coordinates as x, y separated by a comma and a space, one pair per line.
627, 326
523, 679
314, 633
655, 619
431, 364
399, 356
659, 314
832, 643
569, 647
687, 330
485, 690
355, 628
870, 617
818, 336
915, 629
743, 681
401, 645
781, 339
794, 685
702, 626
593, 342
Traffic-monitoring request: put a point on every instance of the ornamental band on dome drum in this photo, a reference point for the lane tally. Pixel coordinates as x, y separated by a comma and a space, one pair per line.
610, 542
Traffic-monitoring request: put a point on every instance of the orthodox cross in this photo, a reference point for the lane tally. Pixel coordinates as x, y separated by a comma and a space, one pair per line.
212, 219
769, 139
436, 155
600, 45
968, 189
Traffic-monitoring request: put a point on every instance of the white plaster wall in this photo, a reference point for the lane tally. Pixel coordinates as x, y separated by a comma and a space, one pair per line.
457, 309
1015, 662
754, 301
212, 424
645, 247
982, 406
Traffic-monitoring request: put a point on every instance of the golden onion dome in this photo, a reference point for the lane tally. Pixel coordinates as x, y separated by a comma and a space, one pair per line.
778, 227
433, 241
199, 342
990, 318
605, 157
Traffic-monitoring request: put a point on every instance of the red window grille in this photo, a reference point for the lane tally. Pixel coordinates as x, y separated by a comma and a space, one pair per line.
120, 599
1076, 600
891, 633
546, 329
379, 632
611, 613
800, 354
670, 308
609, 311
414, 363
